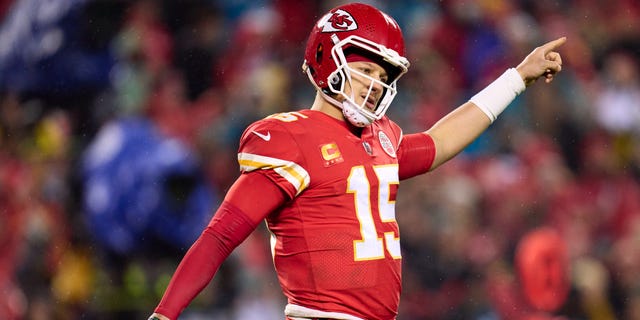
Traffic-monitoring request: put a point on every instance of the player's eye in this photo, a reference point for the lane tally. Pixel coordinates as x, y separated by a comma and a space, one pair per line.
370, 72
366, 70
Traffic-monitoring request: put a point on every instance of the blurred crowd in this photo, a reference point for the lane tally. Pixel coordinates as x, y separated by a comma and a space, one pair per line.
119, 123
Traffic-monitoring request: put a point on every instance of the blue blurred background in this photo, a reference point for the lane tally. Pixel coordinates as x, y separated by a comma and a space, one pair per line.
119, 123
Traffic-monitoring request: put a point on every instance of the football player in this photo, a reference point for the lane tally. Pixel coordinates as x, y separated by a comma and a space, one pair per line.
325, 178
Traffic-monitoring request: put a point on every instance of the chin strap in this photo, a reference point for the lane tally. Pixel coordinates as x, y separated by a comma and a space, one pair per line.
351, 113
349, 110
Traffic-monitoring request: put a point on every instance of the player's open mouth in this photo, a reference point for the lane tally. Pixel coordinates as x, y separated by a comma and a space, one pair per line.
371, 103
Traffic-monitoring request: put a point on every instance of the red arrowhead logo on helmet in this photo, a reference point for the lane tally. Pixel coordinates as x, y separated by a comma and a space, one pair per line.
337, 21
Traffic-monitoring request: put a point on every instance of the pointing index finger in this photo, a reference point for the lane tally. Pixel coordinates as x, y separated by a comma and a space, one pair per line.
551, 45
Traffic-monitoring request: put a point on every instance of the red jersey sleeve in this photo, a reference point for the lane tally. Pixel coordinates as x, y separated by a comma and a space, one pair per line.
268, 147
415, 155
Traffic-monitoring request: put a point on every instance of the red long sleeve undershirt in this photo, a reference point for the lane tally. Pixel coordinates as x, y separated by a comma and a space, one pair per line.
251, 198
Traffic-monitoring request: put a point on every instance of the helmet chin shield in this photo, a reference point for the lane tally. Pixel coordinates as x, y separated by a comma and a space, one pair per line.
360, 114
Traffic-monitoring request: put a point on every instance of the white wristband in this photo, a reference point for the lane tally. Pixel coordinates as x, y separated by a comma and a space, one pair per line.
493, 99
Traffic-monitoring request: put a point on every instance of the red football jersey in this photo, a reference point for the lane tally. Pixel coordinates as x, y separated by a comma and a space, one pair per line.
335, 245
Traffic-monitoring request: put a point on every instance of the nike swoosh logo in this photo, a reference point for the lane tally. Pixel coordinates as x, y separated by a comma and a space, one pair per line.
265, 137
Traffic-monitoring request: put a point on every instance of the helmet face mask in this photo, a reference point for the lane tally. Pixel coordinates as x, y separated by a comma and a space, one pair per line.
365, 31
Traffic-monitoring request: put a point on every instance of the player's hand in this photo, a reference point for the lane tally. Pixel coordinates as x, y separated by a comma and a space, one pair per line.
158, 316
543, 61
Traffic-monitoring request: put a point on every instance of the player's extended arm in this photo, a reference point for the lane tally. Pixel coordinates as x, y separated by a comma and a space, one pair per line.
464, 124
251, 198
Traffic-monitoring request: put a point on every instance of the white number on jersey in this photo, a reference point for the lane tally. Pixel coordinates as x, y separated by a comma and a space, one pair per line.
371, 246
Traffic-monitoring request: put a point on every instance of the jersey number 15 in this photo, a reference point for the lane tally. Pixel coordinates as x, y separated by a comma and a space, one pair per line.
371, 246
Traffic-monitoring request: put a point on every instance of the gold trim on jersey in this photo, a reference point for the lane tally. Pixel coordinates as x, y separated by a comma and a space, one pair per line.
292, 172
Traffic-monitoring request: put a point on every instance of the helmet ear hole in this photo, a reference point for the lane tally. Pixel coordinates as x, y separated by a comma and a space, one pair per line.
319, 53
335, 82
